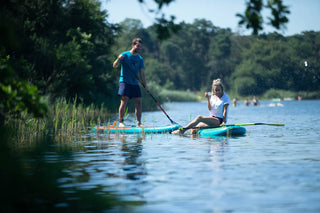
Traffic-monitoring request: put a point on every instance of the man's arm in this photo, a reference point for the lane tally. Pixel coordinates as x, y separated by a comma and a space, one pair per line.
117, 61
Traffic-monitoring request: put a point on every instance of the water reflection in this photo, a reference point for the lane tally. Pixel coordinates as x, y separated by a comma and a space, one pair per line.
31, 180
217, 150
131, 151
121, 166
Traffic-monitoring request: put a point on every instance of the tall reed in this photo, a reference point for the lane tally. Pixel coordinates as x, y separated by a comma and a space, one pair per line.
66, 120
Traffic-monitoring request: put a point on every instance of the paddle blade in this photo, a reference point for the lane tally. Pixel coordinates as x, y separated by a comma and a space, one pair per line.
113, 125
275, 124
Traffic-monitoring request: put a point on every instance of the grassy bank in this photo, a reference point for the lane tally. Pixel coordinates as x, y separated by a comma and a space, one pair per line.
281, 95
65, 121
179, 96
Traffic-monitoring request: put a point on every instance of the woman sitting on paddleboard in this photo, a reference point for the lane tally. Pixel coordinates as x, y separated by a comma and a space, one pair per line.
218, 104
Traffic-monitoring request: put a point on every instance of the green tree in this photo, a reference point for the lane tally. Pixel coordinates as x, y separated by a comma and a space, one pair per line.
186, 58
306, 49
219, 65
251, 18
276, 62
66, 44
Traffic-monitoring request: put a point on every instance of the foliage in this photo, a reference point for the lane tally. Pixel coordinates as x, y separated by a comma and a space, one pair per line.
17, 95
273, 93
179, 96
277, 62
248, 65
64, 43
283, 94
251, 18
164, 27
65, 121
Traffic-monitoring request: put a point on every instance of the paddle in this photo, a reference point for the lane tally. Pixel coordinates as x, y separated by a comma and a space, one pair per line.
172, 122
246, 124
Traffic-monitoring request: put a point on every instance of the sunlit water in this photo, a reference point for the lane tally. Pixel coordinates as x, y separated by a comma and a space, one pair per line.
271, 169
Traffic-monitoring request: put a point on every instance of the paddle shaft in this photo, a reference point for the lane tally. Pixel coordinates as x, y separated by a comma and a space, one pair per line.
155, 100
247, 124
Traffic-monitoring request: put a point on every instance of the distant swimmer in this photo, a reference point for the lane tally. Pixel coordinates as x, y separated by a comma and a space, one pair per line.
246, 102
255, 101
235, 101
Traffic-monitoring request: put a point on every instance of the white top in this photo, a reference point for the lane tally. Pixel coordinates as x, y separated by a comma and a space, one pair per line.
217, 105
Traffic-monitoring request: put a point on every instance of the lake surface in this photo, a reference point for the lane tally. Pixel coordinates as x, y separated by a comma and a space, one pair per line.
271, 169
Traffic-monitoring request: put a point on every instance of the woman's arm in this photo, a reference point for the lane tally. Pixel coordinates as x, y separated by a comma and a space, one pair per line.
208, 99
225, 107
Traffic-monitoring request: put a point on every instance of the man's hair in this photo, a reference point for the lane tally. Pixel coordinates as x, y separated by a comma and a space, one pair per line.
136, 40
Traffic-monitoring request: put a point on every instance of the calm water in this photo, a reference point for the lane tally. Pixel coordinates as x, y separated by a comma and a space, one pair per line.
271, 169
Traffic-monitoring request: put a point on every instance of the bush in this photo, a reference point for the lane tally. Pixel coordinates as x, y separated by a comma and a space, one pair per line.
178, 96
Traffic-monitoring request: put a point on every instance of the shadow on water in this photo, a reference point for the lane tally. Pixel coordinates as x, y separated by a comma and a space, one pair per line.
30, 180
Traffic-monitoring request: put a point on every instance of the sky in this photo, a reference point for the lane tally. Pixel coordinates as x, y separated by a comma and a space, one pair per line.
304, 14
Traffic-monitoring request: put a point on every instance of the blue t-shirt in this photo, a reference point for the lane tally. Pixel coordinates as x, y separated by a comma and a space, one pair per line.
129, 65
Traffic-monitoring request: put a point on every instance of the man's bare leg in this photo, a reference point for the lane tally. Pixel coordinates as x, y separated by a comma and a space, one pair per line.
138, 109
122, 107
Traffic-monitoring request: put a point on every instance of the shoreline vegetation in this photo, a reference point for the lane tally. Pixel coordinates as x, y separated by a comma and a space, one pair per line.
66, 121
69, 120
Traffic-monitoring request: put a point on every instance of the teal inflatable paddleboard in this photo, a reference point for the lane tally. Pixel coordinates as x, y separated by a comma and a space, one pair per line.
222, 131
137, 130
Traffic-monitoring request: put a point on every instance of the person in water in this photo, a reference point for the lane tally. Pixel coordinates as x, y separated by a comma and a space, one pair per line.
218, 103
255, 101
131, 65
235, 101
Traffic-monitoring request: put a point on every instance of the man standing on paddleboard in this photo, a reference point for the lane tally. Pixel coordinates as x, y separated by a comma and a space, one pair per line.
131, 65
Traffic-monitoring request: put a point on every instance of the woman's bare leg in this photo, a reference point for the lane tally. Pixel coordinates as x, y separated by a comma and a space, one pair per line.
202, 121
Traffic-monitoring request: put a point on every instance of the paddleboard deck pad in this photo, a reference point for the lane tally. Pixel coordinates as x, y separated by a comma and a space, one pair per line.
137, 130
228, 131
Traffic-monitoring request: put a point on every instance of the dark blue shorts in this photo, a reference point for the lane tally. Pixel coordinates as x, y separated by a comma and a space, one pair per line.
220, 119
131, 91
